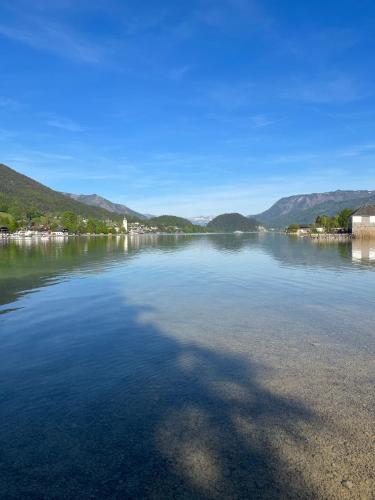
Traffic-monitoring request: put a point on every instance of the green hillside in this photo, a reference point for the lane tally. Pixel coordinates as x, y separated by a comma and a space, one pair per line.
171, 221
232, 222
19, 194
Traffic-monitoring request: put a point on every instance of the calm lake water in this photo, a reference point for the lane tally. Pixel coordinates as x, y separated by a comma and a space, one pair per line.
206, 366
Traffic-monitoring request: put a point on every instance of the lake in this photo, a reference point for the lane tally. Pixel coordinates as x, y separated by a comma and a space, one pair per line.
205, 366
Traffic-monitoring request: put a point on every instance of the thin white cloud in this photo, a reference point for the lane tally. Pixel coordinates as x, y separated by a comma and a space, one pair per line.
233, 97
230, 14
41, 33
261, 120
7, 102
6, 135
326, 89
319, 44
149, 21
65, 124
179, 73
336, 90
357, 150
32, 157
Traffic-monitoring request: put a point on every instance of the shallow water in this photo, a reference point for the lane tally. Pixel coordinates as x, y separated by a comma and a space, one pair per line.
205, 366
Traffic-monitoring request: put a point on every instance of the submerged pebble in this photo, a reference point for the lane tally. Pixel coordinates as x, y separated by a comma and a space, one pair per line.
347, 484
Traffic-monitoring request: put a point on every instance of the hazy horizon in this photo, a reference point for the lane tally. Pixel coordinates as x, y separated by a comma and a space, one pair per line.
193, 109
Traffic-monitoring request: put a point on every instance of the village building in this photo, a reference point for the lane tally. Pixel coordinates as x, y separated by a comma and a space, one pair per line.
125, 224
4, 231
303, 229
362, 222
60, 232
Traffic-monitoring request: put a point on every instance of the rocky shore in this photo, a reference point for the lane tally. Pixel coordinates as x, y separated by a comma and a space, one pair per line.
331, 236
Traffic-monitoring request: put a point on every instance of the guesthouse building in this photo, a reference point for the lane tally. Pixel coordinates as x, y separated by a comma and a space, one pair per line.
303, 229
362, 222
4, 231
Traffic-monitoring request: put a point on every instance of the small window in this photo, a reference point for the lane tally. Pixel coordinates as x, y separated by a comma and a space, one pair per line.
372, 219
357, 218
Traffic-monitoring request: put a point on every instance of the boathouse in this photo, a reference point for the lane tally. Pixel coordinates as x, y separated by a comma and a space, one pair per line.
362, 222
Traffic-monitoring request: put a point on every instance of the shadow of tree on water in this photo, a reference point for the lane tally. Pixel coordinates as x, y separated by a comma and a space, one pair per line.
129, 412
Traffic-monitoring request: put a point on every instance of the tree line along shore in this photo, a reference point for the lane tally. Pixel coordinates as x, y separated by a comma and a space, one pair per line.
33, 221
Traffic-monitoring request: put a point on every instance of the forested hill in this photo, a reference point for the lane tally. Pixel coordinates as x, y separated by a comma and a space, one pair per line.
168, 221
19, 193
233, 222
304, 208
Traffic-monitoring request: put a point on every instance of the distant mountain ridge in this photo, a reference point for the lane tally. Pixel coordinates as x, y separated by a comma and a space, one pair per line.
94, 200
304, 208
21, 193
201, 220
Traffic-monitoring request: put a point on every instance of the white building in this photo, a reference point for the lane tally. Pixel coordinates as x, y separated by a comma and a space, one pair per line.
362, 222
125, 224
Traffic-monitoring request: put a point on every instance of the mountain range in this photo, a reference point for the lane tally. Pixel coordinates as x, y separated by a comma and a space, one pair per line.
94, 200
21, 193
304, 208
201, 220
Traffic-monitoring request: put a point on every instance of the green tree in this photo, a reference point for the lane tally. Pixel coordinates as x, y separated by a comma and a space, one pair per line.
293, 228
81, 228
91, 226
32, 213
16, 210
327, 222
322, 221
101, 227
8, 221
343, 217
69, 221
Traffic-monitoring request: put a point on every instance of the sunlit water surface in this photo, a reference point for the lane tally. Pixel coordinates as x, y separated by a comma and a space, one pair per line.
206, 366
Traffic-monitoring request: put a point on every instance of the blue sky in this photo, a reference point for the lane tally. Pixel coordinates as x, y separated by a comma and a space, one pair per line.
189, 108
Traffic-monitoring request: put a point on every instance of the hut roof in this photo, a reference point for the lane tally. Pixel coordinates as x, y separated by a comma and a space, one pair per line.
366, 210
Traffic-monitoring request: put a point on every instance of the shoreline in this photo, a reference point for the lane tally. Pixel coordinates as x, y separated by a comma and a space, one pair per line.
329, 236
13, 236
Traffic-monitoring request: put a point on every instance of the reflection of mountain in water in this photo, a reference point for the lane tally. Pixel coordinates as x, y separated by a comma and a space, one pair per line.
289, 251
296, 252
235, 242
26, 264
